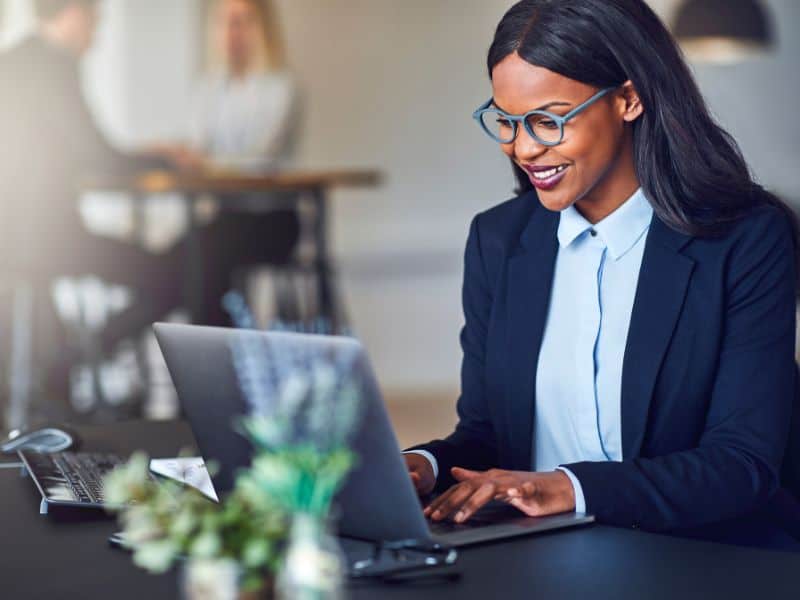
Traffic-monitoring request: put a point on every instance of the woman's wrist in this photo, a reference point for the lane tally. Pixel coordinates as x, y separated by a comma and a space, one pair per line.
563, 491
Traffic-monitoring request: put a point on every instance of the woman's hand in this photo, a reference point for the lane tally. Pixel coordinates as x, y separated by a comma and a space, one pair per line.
421, 473
535, 494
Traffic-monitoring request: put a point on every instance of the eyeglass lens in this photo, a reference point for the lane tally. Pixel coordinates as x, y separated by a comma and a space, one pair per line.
501, 129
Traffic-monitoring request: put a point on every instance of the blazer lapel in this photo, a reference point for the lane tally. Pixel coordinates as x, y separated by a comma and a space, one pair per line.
530, 276
661, 289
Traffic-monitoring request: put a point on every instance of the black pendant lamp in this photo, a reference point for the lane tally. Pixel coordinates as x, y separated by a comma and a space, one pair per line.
723, 31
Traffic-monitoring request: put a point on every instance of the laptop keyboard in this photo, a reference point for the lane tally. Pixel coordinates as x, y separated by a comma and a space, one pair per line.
440, 527
71, 477
491, 514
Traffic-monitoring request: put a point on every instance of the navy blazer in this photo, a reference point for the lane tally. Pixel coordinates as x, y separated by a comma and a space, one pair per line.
708, 373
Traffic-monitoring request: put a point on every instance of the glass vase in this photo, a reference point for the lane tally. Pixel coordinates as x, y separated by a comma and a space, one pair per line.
314, 565
218, 579
210, 579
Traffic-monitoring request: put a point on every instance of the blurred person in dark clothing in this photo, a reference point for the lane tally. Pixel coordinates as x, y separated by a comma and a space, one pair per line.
50, 144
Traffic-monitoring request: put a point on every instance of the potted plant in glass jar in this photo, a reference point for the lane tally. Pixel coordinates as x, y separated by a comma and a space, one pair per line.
276, 525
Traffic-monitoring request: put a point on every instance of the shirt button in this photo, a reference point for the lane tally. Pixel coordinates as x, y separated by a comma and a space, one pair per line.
593, 233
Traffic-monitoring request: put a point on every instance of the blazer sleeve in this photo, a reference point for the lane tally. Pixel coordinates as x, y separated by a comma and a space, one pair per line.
734, 469
472, 444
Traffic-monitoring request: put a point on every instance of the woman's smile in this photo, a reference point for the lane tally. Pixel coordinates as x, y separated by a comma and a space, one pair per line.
546, 177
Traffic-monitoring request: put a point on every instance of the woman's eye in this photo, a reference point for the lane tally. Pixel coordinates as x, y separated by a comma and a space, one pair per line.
503, 122
548, 123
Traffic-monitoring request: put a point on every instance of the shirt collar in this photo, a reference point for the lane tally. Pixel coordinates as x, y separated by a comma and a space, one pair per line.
620, 230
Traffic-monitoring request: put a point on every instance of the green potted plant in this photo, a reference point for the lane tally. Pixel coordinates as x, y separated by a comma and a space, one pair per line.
276, 525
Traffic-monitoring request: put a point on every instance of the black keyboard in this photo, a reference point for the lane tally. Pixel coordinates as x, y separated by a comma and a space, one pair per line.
70, 478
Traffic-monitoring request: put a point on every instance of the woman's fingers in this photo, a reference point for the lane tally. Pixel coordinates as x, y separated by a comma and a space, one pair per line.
524, 497
476, 488
531, 493
520, 504
448, 502
461, 474
516, 489
436, 502
480, 497
529, 489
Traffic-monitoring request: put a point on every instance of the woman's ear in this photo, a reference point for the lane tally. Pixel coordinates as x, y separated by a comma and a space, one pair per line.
633, 104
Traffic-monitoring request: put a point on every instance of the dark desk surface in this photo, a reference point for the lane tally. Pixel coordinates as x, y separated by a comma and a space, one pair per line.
66, 556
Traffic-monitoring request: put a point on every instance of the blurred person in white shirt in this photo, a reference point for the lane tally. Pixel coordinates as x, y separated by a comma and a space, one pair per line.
243, 108
241, 120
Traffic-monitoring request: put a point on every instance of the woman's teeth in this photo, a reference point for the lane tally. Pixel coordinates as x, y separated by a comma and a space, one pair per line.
549, 173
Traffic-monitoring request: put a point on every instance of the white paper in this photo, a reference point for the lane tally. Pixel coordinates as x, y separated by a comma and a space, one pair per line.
188, 470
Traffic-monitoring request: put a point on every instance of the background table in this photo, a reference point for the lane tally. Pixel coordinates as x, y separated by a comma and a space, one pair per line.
313, 185
66, 555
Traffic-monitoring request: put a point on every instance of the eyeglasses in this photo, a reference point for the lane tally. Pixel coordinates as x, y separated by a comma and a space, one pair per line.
545, 127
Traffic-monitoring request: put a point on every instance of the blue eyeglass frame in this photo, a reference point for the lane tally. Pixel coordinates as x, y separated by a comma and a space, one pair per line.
516, 119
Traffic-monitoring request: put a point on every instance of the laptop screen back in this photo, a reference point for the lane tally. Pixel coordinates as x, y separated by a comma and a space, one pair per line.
377, 502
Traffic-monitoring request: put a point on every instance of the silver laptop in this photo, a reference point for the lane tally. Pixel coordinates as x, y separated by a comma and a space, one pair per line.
378, 500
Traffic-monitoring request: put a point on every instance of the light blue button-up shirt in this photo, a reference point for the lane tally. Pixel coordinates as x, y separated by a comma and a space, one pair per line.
579, 375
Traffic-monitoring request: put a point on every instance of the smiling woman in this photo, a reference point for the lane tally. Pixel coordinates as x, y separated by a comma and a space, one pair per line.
630, 315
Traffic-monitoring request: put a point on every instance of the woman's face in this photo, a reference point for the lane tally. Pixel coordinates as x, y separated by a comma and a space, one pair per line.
596, 150
238, 33
80, 20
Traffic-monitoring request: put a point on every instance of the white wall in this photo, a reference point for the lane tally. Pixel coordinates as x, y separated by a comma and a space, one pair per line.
141, 68
757, 102
393, 85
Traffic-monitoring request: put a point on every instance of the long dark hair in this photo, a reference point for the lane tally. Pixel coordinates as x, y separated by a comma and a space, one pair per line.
690, 169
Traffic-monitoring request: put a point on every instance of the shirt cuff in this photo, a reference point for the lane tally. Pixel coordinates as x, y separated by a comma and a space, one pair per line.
431, 459
580, 501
